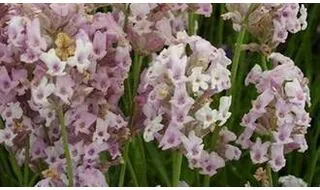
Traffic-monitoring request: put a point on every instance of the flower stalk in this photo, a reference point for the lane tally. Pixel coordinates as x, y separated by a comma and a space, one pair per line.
176, 168
66, 147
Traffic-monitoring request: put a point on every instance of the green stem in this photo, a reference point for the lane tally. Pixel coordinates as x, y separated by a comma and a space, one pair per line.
221, 26
314, 154
264, 63
158, 163
138, 60
15, 167
236, 58
139, 161
133, 174
26, 163
191, 23
269, 171
123, 167
206, 182
313, 167
33, 180
126, 18
4, 161
66, 147
234, 69
128, 163
176, 168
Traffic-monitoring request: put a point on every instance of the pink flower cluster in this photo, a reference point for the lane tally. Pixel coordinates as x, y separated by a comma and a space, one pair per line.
277, 122
268, 22
63, 59
152, 26
63, 67
287, 20
176, 91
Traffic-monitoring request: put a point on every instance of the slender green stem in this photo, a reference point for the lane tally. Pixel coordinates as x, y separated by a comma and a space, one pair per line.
15, 167
264, 62
136, 72
133, 174
269, 171
191, 23
158, 163
128, 163
176, 168
33, 180
126, 18
220, 26
234, 69
206, 182
26, 163
123, 166
4, 161
313, 167
140, 160
315, 153
66, 147
236, 58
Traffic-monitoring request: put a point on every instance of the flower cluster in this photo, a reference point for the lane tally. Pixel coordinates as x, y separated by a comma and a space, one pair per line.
277, 122
63, 67
62, 73
151, 25
269, 23
175, 94
292, 181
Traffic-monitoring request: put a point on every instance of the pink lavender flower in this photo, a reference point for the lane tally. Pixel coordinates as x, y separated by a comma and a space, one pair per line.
292, 181
151, 26
177, 109
60, 58
278, 113
269, 23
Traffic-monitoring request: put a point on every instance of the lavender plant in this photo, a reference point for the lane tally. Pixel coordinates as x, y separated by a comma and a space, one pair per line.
159, 94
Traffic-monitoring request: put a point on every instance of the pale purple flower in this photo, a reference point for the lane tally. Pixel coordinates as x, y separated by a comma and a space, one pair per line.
223, 113
5, 53
277, 158
11, 111
292, 181
177, 86
278, 112
41, 92
34, 39
171, 138
152, 127
99, 44
55, 66
204, 9
64, 88
76, 151
258, 151
6, 83
15, 31
85, 120
101, 135
199, 81
53, 155
81, 57
62, 9
6, 136
193, 145
91, 177
210, 163
49, 115
207, 116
